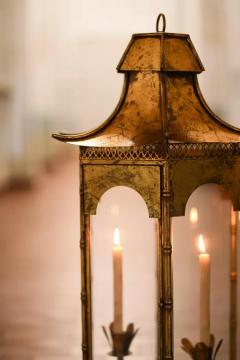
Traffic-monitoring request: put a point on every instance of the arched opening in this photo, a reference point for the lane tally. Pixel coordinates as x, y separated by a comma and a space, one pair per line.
213, 221
123, 208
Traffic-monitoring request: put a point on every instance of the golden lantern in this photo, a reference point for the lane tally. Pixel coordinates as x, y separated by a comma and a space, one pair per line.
163, 141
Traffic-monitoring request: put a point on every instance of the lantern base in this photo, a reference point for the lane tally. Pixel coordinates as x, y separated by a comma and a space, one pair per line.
201, 351
120, 342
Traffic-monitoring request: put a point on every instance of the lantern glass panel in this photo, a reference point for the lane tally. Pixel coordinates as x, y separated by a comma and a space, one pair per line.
123, 208
214, 223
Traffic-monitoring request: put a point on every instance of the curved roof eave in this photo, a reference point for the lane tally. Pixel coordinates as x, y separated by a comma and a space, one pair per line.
86, 135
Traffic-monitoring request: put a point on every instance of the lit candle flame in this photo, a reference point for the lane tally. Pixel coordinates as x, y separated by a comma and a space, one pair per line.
194, 215
201, 244
116, 237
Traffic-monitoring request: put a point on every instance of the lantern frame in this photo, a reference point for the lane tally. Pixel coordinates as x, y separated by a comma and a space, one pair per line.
164, 163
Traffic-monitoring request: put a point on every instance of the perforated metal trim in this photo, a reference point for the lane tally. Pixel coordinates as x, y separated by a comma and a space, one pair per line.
203, 150
146, 152
161, 151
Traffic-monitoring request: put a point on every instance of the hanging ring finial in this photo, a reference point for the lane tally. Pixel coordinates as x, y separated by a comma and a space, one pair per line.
161, 16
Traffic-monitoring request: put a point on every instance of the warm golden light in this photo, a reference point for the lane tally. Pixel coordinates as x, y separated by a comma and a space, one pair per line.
114, 210
233, 217
201, 244
194, 215
116, 237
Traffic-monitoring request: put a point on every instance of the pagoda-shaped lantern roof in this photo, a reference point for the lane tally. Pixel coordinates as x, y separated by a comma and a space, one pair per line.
161, 99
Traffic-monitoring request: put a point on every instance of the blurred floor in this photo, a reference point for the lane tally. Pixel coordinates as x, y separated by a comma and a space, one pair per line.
39, 268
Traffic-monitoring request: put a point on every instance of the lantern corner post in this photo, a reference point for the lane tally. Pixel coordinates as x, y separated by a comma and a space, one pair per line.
166, 259
85, 264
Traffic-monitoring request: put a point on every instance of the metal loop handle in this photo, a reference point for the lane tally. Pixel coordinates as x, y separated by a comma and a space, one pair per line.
161, 16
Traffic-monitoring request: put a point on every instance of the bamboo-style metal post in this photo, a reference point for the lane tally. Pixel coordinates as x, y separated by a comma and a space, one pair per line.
233, 286
85, 275
167, 312
159, 288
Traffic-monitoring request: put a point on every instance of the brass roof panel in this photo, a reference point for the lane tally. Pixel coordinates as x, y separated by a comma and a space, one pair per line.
160, 52
161, 99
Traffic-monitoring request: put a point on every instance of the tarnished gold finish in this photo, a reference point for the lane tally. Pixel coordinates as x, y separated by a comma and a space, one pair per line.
188, 174
86, 298
167, 288
161, 96
144, 179
157, 52
163, 141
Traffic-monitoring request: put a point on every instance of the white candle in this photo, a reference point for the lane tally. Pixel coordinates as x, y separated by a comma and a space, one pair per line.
204, 262
233, 217
117, 282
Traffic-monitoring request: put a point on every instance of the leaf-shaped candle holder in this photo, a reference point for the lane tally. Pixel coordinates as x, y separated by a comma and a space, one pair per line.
120, 342
201, 351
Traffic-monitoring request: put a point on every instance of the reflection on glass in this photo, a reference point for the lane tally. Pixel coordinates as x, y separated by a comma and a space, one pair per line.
191, 271
123, 277
194, 215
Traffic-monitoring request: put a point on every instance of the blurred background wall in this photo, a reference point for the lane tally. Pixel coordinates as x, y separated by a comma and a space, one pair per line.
57, 72
58, 62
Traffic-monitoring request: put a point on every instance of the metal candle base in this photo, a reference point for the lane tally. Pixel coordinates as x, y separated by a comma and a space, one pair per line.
120, 342
201, 351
